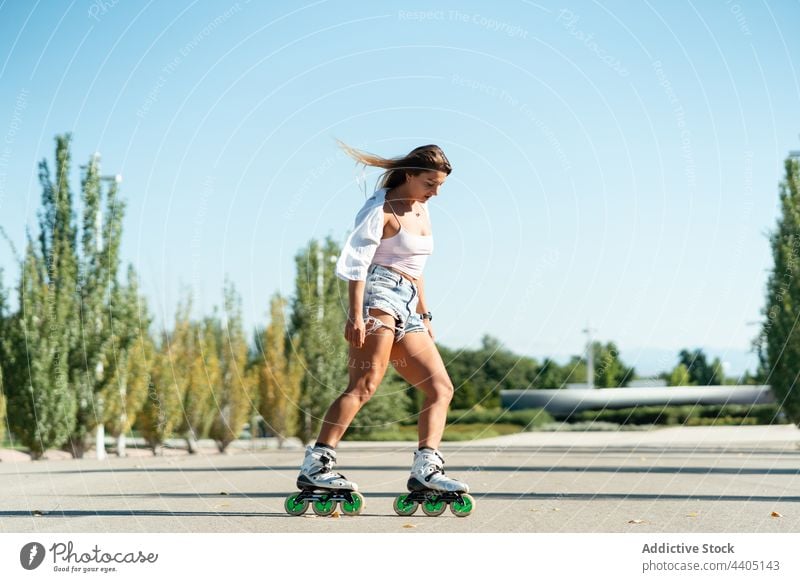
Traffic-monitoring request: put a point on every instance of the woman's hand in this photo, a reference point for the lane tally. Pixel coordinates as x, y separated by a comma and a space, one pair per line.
429, 325
355, 330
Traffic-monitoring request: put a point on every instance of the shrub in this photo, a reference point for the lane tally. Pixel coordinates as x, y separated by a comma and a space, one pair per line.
692, 415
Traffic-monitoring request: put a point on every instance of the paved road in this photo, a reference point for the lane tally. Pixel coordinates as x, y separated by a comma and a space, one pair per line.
669, 480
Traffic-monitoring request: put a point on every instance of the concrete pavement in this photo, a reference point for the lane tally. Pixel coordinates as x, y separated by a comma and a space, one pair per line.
683, 479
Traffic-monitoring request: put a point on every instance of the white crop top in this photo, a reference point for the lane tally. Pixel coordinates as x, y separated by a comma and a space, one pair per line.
404, 251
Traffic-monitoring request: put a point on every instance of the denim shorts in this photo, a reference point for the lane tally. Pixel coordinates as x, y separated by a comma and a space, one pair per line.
393, 294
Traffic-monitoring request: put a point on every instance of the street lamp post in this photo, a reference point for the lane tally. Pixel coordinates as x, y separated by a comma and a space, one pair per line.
589, 357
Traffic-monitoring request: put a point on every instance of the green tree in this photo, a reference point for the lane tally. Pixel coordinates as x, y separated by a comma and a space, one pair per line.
479, 375
779, 341
550, 375
98, 291
162, 412
717, 373
679, 376
609, 370
319, 309
200, 365
701, 373
459, 365
749, 379
575, 370
193, 356
41, 404
234, 398
388, 407
128, 360
280, 373
65, 299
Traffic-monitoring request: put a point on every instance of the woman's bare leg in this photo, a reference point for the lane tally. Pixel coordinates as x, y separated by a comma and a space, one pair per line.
367, 366
417, 360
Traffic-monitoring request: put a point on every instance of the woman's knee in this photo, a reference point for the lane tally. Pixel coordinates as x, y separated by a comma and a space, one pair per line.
441, 391
364, 387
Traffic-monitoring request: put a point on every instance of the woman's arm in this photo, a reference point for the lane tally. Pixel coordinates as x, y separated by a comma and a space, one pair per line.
354, 329
356, 287
422, 306
356, 298
371, 232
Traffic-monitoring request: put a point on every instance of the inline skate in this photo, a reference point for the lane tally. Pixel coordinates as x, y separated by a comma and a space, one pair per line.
430, 488
322, 488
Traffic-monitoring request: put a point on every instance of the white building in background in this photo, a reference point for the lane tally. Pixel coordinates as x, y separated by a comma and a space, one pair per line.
564, 402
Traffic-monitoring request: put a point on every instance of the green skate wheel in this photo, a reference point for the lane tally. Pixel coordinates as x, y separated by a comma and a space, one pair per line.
433, 508
323, 507
355, 507
295, 507
405, 506
460, 509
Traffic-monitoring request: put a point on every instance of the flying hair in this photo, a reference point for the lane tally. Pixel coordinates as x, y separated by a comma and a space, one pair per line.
421, 159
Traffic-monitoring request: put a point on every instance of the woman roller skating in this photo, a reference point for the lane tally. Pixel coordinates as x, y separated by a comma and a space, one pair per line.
383, 259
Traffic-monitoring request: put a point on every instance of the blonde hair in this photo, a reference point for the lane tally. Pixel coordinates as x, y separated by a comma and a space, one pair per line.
421, 159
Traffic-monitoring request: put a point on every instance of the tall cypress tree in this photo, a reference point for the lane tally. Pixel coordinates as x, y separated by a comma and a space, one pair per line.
13, 368
319, 309
193, 354
128, 360
41, 404
779, 342
98, 283
86, 365
318, 316
162, 412
203, 377
279, 374
234, 397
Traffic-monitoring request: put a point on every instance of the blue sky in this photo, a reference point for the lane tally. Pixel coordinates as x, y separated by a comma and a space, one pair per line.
614, 162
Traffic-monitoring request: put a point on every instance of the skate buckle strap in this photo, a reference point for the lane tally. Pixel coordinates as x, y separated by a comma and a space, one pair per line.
436, 469
327, 466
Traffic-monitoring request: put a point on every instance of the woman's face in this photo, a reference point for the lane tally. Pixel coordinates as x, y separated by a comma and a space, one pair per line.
424, 185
